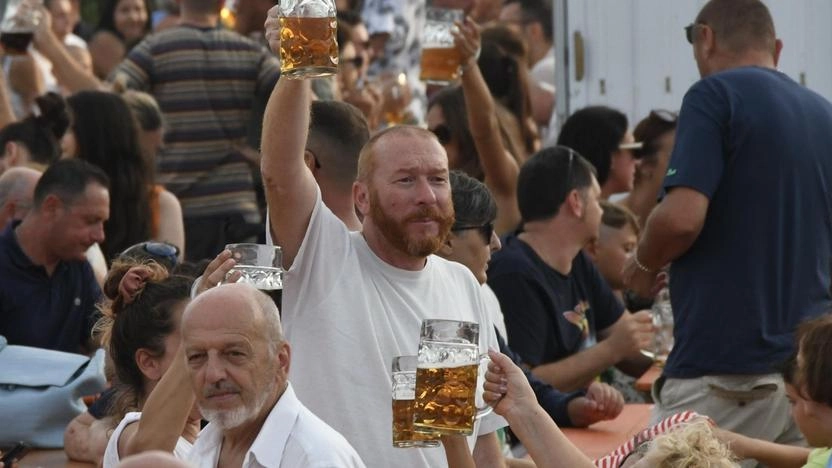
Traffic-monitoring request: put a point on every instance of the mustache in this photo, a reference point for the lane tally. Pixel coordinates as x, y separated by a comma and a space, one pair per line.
427, 212
219, 388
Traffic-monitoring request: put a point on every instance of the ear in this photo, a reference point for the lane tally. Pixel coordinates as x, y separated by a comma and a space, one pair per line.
535, 30
778, 47
708, 45
12, 153
447, 247
148, 364
574, 203
309, 160
284, 357
51, 204
361, 196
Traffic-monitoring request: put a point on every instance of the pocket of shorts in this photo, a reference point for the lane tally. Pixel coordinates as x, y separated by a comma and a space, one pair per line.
757, 392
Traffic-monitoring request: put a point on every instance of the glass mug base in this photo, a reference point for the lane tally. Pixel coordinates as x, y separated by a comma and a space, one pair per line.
415, 443
437, 430
309, 72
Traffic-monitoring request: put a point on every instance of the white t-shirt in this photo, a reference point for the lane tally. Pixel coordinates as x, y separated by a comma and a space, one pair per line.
291, 437
347, 313
495, 313
111, 456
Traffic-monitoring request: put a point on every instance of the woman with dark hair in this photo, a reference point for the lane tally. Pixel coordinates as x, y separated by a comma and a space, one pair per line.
104, 133
599, 134
122, 25
657, 133
33, 141
140, 329
465, 122
502, 63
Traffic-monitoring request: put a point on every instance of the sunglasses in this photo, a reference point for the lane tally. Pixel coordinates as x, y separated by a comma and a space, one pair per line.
168, 254
486, 230
443, 134
664, 115
357, 61
689, 31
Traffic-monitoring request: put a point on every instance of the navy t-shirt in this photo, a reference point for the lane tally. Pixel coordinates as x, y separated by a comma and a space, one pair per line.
759, 146
549, 316
53, 312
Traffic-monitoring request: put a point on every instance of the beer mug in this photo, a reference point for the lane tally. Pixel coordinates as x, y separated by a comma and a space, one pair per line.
404, 394
308, 47
20, 19
448, 383
440, 59
259, 265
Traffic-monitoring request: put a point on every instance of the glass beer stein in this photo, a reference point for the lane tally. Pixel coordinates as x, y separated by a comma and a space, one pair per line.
448, 383
20, 19
260, 265
404, 394
440, 60
308, 47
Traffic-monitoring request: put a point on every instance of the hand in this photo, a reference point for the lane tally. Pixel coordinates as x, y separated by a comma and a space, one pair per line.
506, 387
632, 333
43, 33
217, 272
467, 41
368, 101
602, 402
272, 29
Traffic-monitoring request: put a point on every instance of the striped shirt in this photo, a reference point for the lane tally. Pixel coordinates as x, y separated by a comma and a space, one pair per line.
205, 81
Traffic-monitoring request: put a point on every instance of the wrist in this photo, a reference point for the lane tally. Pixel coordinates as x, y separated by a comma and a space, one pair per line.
641, 266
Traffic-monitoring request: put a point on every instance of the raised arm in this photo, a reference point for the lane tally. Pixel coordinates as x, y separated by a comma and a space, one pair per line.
290, 187
165, 413
498, 166
69, 73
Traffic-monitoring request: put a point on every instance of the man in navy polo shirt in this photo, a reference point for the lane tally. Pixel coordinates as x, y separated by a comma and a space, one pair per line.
48, 291
746, 222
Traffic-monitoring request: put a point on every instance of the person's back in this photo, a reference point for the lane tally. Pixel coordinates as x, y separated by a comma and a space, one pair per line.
770, 214
205, 81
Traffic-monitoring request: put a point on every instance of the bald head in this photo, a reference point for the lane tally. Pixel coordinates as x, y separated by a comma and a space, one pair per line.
240, 305
17, 189
740, 25
386, 141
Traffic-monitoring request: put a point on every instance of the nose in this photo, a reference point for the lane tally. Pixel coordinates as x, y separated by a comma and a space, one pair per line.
98, 233
425, 192
495, 244
214, 370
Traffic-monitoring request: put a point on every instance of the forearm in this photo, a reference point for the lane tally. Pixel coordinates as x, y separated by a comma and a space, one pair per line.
487, 452
767, 453
165, 412
499, 168
635, 365
69, 73
457, 452
289, 185
6, 112
577, 371
546, 444
672, 228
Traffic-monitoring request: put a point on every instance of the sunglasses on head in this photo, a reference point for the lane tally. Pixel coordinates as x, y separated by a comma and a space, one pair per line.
664, 115
486, 230
443, 134
167, 254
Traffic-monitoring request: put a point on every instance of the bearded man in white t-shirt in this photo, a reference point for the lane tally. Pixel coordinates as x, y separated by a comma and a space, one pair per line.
354, 300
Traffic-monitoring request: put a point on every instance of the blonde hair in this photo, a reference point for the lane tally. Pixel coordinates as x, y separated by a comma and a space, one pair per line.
691, 444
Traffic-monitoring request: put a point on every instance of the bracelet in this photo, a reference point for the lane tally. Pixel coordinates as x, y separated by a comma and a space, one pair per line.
640, 265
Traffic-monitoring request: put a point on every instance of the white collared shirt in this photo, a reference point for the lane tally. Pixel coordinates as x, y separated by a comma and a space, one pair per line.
290, 437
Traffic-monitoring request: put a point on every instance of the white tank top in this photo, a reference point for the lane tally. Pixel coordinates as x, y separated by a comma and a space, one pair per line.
111, 456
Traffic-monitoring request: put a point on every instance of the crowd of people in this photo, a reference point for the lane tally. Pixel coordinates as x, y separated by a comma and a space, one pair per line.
133, 152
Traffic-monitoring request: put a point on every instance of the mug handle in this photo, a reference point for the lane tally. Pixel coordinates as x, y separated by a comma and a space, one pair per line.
486, 409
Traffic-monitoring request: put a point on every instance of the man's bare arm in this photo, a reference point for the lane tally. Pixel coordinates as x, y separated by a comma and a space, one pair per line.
673, 226
290, 186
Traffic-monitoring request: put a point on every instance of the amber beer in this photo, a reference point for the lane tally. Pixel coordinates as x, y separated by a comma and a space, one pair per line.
308, 47
445, 399
440, 64
16, 42
403, 433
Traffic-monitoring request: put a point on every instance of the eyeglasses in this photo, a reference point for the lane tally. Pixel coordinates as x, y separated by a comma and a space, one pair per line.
443, 134
664, 115
357, 61
689, 31
486, 230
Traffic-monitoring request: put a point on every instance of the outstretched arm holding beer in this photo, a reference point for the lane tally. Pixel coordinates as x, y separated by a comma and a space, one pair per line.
498, 166
290, 186
508, 391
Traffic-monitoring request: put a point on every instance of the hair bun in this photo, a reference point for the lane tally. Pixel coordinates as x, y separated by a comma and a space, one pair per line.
54, 114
